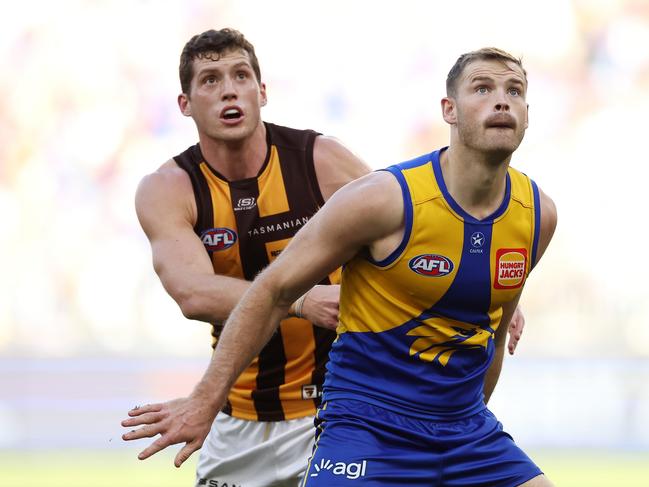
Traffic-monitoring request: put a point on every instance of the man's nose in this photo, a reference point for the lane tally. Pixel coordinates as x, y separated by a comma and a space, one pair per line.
229, 89
501, 102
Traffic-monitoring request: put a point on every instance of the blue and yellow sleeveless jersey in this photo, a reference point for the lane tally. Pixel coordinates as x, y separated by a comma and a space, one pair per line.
416, 331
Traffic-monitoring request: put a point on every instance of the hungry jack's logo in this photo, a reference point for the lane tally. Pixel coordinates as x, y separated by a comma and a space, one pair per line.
511, 265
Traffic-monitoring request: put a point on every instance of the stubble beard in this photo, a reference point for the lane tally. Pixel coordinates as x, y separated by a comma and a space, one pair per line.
477, 139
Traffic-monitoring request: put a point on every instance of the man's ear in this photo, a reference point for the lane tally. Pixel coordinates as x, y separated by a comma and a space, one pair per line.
262, 92
184, 105
449, 110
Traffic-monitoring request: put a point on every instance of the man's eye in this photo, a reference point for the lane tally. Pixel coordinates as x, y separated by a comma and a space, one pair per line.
514, 91
482, 90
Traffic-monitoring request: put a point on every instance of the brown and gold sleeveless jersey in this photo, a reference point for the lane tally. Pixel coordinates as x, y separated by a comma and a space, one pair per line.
244, 225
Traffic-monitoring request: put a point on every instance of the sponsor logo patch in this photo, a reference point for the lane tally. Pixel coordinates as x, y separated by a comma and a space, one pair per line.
245, 204
216, 239
477, 240
511, 265
351, 471
310, 392
278, 227
431, 265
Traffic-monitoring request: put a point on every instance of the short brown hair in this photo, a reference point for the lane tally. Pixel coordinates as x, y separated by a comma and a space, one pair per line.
213, 42
484, 54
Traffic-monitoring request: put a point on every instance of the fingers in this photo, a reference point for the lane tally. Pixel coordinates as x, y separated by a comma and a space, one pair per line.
511, 346
169, 420
515, 330
146, 418
328, 324
514, 337
158, 445
152, 420
144, 432
147, 408
186, 452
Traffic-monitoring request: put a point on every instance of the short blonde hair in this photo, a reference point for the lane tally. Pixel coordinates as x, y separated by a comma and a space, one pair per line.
484, 54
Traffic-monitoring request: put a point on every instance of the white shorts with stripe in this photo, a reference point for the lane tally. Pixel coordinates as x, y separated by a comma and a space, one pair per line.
242, 453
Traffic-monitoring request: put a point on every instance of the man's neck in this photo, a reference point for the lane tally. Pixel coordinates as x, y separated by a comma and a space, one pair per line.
474, 180
236, 160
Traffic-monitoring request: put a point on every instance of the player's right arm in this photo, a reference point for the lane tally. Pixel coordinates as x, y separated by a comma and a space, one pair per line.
365, 213
166, 209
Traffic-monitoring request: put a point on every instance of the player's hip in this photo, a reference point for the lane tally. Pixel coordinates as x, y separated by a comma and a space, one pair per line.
238, 452
356, 440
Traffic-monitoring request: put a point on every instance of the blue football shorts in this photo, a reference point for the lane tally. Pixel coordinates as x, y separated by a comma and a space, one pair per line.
362, 444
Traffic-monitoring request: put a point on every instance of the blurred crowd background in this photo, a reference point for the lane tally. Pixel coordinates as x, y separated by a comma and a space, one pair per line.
88, 107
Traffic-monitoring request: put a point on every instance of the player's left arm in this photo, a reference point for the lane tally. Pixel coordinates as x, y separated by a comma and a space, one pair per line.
548, 225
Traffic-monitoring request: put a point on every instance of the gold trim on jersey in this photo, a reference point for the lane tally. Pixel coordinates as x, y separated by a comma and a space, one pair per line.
272, 196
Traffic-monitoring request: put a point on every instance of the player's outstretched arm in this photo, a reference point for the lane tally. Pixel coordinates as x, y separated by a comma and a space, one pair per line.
364, 213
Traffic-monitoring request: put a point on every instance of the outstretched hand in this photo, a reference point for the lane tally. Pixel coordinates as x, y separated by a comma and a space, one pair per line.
321, 306
516, 326
187, 420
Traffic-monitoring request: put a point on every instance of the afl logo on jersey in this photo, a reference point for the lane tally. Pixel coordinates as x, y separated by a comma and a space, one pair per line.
216, 239
431, 265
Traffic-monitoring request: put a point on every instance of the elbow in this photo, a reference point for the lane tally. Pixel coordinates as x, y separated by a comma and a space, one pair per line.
192, 306
191, 309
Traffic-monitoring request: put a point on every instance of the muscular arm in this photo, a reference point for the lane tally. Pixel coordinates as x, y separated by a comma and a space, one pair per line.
548, 225
166, 209
324, 244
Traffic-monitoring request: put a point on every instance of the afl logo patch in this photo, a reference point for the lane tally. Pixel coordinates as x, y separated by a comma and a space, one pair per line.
511, 265
216, 239
431, 265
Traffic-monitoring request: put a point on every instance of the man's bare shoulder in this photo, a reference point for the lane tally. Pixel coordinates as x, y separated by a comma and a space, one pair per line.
335, 165
380, 181
377, 194
169, 177
168, 190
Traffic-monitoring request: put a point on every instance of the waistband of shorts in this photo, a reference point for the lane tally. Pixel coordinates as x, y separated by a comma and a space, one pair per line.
450, 415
